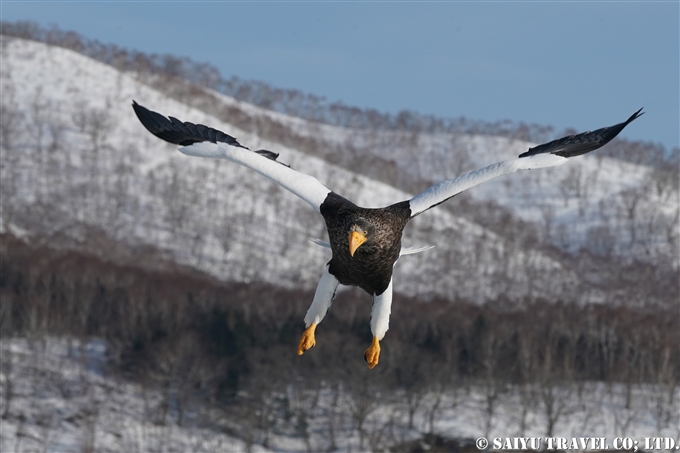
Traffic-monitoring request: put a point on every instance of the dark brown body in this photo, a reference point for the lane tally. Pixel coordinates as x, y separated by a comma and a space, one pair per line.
371, 266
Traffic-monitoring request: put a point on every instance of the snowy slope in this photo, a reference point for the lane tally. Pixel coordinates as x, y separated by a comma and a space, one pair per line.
64, 401
64, 179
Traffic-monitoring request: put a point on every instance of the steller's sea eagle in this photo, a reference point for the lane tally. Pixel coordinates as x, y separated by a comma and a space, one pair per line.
365, 243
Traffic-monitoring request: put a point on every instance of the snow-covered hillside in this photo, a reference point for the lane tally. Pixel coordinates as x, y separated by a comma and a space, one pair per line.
78, 168
63, 401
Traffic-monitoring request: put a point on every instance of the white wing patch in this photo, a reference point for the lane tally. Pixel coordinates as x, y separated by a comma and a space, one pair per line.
304, 186
446, 189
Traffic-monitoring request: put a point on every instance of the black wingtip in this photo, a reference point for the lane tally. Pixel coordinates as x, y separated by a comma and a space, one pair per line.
576, 145
180, 133
635, 116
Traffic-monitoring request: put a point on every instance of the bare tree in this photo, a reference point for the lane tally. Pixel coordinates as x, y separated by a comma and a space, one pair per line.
665, 403
555, 386
305, 400
381, 433
548, 217
411, 379
363, 400
527, 364
12, 117
491, 385
7, 368
629, 200
600, 240
334, 417
97, 124
665, 180
671, 230
623, 417
175, 198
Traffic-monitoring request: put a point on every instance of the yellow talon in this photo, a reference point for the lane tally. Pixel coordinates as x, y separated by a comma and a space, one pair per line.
307, 340
372, 354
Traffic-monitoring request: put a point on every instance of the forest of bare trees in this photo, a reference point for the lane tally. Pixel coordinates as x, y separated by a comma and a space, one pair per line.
232, 346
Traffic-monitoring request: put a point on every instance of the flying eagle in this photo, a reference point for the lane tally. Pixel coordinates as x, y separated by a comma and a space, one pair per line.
365, 243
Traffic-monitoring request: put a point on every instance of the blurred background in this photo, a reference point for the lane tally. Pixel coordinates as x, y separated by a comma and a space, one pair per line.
153, 302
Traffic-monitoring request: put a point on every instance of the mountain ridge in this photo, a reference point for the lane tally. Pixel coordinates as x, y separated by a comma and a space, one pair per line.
126, 183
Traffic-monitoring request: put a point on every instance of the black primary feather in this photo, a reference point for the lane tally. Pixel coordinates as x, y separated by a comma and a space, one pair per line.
575, 145
180, 133
184, 133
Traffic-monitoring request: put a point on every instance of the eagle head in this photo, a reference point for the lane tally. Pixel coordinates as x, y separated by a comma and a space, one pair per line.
359, 233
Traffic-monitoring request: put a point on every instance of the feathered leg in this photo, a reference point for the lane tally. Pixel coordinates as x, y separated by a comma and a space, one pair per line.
380, 322
323, 297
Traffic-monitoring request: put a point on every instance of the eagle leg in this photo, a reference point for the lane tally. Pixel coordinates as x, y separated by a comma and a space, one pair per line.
323, 297
307, 341
380, 322
372, 354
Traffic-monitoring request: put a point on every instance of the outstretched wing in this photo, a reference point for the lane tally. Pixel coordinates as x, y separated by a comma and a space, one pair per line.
546, 155
203, 141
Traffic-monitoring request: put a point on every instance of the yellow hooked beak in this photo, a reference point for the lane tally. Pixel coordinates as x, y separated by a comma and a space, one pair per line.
355, 240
